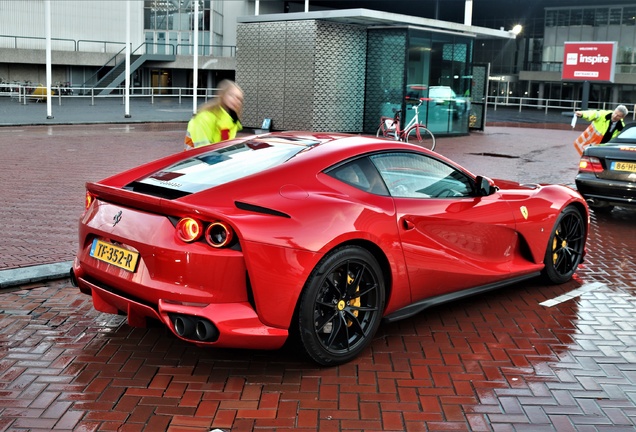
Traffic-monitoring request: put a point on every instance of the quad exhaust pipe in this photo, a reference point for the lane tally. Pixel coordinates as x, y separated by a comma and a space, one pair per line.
183, 325
186, 326
73, 278
205, 330
194, 328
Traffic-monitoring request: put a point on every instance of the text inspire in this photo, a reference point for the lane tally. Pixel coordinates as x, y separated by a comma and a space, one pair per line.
593, 59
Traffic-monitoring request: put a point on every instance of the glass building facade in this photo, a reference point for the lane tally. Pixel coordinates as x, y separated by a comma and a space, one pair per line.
530, 67
405, 65
607, 23
169, 26
585, 24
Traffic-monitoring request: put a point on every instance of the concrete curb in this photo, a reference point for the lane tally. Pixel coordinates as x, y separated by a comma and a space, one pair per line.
37, 273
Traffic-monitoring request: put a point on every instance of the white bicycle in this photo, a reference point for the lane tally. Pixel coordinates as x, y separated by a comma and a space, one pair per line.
414, 132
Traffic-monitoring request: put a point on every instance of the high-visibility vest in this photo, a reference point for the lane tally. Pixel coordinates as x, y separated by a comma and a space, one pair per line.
210, 126
594, 133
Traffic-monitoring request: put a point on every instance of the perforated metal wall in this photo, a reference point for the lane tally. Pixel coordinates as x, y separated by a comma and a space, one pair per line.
298, 68
341, 52
305, 75
260, 71
247, 71
384, 75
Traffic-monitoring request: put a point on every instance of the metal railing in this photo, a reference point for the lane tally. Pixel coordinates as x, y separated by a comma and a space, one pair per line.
23, 93
208, 50
553, 104
154, 48
37, 92
32, 42
102, 45
113, 59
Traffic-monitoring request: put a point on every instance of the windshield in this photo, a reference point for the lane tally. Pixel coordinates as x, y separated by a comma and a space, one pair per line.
226, 164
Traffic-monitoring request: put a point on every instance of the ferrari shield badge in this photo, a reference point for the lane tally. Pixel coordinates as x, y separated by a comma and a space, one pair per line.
524, 212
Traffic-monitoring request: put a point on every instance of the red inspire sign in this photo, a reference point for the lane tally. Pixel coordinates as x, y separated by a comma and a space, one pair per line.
589, 61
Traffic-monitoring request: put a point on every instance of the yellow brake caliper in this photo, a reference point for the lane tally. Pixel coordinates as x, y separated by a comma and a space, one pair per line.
555, 244
355, 302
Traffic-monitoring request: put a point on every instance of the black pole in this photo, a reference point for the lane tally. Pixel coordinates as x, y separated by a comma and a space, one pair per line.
586, 95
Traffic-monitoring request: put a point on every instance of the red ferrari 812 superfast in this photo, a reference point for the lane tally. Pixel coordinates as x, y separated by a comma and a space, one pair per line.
313, 236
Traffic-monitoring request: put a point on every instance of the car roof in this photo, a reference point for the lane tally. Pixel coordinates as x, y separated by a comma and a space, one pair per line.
235, 160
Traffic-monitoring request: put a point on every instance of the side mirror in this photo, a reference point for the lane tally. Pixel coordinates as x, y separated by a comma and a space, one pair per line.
485, 186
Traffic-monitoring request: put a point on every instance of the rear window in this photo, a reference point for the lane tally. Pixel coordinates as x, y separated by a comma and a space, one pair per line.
222, 165
628, 133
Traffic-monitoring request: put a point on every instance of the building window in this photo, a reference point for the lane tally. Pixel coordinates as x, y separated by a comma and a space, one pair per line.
563, 17
588, 17
550, 18
615, 16
601, 17
576, 17
629, 16
176, 15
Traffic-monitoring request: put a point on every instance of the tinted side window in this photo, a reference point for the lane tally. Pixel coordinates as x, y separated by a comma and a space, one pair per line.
362, 174
413, 175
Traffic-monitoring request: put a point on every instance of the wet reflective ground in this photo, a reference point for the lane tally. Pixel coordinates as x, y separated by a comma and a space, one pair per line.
529, 358
497, 362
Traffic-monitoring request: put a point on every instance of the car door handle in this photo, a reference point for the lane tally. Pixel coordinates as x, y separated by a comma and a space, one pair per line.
407, 224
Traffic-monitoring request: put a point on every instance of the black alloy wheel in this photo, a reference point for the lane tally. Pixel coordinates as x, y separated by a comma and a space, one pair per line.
341, 306
565, 247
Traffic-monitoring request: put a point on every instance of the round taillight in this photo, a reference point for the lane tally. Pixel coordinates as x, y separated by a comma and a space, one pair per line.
218, 234
189, 229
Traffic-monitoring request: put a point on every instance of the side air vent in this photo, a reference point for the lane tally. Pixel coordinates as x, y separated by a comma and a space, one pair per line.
259, 209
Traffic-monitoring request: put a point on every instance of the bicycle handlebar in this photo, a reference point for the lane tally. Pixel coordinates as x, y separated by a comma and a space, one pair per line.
397, 112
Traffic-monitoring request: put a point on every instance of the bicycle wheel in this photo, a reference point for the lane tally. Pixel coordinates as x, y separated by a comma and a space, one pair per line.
418, 134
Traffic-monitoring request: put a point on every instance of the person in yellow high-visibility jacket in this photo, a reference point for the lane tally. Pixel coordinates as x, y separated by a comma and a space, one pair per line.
605, 125
217, 120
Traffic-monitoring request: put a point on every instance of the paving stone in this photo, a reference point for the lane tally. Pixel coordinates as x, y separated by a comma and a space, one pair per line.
501, 361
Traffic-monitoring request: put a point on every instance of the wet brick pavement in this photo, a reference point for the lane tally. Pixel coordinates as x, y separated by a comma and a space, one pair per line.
500, 362
43, 176
528, 358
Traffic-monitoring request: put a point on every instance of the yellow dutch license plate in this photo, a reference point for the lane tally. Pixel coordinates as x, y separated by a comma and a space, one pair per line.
624, 166
115, 255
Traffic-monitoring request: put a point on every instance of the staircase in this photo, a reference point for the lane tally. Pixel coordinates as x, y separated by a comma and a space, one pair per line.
117, 75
